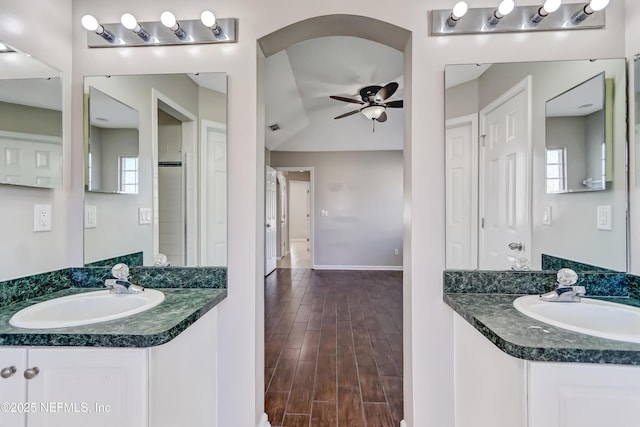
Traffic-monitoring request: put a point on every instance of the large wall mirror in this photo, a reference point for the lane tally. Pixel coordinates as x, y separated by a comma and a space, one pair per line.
500, 214
30, 121
155, 169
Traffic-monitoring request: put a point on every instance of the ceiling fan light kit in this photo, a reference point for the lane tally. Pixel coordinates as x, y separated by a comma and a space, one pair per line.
552, 15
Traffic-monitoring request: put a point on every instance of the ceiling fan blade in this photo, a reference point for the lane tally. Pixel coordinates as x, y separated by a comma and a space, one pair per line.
347, 114
382, 117
386, 91
342, 98
395, 104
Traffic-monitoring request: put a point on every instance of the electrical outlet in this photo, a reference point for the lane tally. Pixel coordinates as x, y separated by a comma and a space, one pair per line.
546, 216
41, 218
396, 252
604, 221
90, 216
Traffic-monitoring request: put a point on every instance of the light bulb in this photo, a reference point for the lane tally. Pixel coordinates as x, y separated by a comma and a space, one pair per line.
90, 23
551, 6
168, 19
597, 5
505, 7
459, 9
208, 18
129, 21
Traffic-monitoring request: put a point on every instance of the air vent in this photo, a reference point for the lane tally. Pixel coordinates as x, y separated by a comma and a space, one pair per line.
274, 127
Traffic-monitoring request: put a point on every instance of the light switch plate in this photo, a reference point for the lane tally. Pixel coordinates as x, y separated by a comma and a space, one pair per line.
90, 216
324, 212
604, 217
144, 216
41, 218
546, 216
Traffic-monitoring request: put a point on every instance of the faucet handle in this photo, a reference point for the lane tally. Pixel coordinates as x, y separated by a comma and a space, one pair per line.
566, 277
120, 271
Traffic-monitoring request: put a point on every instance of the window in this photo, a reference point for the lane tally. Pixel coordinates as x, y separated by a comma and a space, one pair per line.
128, 175
556, 170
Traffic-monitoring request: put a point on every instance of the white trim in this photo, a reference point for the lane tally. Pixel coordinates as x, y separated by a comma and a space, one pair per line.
31, 137
264, 421
359, 267
312, 242
403, 423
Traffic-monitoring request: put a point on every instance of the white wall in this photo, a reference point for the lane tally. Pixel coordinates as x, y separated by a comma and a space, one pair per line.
298, 211
428, 321
632, 32
362, 193
25, 24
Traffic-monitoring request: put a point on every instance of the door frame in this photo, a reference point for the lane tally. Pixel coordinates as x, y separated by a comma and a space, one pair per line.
311, 205
190, 168
472, 121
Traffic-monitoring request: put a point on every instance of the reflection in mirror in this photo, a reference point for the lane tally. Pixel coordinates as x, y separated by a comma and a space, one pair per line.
179, 208
499, 215
636, 77
576, 152
112, 159
30, 121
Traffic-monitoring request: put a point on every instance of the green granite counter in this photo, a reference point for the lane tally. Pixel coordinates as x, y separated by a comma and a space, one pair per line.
158, 325
523, 337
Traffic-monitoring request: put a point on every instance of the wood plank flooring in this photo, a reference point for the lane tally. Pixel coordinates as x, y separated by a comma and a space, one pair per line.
333, 348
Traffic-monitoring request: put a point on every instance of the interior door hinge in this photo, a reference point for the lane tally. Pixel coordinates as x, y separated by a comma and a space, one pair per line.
482, 140
482, 223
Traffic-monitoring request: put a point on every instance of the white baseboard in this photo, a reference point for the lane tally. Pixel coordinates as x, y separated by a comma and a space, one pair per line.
359, 267
403, 423
264, 421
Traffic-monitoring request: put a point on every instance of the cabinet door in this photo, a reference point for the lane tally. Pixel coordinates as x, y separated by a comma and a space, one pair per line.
490, 385
13, 389
583, 395
80, 387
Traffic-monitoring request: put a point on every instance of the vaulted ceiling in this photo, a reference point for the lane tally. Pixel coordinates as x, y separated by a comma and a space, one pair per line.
300, 79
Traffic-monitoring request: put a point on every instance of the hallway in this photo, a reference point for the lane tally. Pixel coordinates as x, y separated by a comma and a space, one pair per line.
333, 348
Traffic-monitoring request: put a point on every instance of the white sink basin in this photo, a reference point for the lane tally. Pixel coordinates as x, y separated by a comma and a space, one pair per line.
84, 309
593, 317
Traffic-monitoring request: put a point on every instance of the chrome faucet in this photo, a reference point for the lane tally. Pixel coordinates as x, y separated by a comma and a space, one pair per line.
121, 283
566, 291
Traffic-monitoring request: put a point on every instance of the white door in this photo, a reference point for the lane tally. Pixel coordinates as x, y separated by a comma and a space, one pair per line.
505, 131
299, 211
270, 241
214, 195
462, 192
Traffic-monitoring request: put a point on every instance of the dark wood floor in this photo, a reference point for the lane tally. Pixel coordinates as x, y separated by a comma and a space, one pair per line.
333, 348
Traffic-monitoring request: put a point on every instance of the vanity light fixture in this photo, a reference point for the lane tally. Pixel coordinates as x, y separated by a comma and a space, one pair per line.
207, 29
129, 22
548, 7
546, 15
504, 8
169, 20
90, 23
209, 20
458, 11
588, 10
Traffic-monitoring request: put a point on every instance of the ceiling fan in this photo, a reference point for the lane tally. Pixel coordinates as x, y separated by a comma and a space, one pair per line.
373, 97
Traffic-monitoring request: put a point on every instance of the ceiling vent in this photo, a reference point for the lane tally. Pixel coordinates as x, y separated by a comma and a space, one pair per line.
274, 127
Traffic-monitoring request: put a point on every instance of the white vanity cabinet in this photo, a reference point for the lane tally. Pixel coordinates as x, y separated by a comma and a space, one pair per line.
494, 389
169, 385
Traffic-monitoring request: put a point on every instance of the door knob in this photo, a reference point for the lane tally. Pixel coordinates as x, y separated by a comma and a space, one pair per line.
31, 372
268, 225
8, 371
516, 246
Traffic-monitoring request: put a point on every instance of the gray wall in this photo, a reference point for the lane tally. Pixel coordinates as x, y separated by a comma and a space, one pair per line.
362, 192
22, 118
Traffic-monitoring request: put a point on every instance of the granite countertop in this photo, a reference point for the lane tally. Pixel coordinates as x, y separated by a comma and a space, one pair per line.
526, 338
158, 325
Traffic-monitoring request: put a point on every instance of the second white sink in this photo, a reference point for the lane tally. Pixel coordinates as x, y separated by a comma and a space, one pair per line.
593, 317
85, 309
